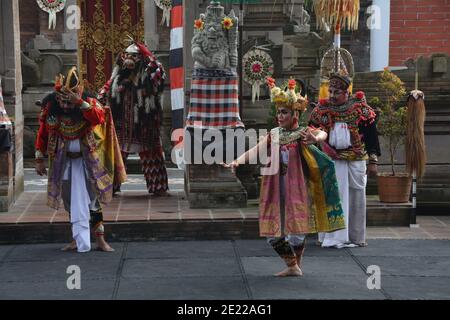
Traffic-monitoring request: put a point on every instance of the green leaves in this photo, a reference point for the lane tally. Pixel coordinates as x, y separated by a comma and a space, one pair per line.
392, 118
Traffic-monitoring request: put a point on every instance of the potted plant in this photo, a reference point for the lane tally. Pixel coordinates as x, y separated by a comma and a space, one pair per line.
392, 186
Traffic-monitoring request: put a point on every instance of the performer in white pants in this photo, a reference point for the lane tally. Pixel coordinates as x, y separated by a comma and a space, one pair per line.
75, 132
352, 140
78, 197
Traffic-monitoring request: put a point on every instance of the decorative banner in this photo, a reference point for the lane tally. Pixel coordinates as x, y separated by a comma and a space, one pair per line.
176, 66
257, 66
166, 7
52, 7
106, 26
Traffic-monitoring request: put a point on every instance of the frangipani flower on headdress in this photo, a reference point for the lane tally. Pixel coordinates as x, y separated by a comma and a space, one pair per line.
227, 23
287, 98
270, 82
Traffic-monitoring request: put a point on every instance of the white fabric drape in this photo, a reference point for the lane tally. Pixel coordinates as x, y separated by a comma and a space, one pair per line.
79, 199
352, 181
340, 136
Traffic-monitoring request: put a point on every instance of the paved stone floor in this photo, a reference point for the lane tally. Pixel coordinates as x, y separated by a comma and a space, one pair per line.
134, 204
414, 262
217, 270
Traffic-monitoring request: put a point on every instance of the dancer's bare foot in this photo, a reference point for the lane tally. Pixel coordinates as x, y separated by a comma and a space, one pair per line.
102, 245
294, 271
70, 247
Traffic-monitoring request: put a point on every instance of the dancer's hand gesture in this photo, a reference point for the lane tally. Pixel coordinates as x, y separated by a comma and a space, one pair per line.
233, 165
308, 137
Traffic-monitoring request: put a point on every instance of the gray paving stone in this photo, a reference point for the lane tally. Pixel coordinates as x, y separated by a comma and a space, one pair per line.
260, 248
38, 271
265, 266
254, 248
203, 288
404, 248
209, 270
180, 249
435, 288
183, 267
312, 286
3, 251
410, 266
52, 252
57, 290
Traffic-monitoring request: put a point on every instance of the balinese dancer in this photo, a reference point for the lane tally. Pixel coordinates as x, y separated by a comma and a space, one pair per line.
78, 136
352, 140
301, 195
134, 95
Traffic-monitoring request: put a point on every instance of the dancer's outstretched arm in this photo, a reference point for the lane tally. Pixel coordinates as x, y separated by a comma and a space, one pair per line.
249, 156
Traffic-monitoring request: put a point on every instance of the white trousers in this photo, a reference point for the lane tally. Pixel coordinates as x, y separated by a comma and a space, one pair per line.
352, 181
80, 202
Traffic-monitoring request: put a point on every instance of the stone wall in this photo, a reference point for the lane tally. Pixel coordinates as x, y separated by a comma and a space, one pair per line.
434, 189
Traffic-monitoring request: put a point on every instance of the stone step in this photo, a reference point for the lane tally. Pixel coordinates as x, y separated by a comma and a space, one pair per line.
378, 214
387, 214
134, 231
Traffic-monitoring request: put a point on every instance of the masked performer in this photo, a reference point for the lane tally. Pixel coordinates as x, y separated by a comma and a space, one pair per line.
352, 140
78, 136
134, 94
299, 193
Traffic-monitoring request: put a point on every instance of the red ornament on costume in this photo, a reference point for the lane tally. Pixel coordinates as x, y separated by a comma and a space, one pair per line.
360, 95
323, 102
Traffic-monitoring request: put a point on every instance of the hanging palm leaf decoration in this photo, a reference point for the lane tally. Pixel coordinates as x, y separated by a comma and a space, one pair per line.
331, 13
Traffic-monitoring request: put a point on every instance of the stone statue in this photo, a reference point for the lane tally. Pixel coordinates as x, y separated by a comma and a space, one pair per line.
214, 107
214, 45
299, 16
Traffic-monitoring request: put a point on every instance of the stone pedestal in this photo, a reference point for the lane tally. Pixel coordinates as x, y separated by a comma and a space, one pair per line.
213, 186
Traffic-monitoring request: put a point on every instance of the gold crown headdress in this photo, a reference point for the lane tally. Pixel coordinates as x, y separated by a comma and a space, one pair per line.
287, 98
68, 84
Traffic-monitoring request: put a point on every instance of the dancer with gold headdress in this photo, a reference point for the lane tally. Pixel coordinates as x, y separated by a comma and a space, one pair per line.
349, 122
300, 196
352, 140
78, 136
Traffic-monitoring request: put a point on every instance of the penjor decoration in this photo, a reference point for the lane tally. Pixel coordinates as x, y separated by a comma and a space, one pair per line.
336, 14
257, 65
52, 7
166, 7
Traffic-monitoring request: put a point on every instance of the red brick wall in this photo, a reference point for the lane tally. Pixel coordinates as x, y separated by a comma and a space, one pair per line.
418, 27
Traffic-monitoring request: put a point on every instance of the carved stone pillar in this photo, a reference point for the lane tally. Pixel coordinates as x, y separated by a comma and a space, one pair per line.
11, 174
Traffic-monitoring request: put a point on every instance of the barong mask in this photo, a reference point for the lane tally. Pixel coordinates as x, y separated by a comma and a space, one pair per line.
131, 57
68, 89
